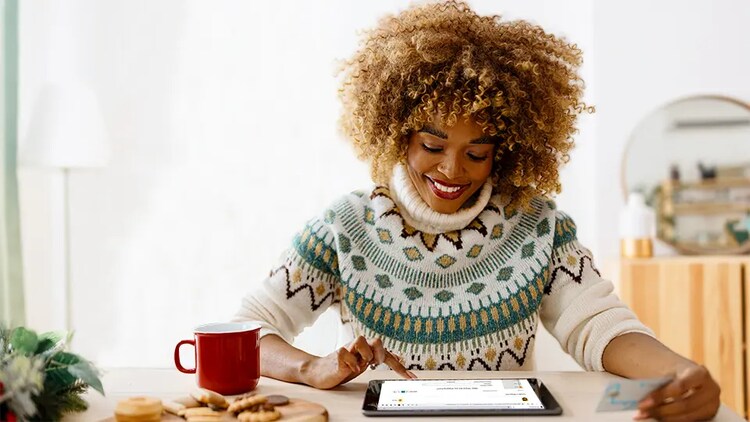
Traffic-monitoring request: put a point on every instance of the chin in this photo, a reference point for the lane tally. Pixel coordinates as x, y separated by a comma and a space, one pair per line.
446, 208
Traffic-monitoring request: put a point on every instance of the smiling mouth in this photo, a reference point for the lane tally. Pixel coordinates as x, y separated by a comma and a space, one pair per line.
446, 191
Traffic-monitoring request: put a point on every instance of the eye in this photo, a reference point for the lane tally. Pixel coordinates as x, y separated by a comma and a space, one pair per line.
431, 149
477, 158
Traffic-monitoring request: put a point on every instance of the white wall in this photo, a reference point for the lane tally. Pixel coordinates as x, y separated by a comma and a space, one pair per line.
655, 145
648, 54
222, 119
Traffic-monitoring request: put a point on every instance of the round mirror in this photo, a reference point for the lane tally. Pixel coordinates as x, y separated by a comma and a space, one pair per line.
691, 160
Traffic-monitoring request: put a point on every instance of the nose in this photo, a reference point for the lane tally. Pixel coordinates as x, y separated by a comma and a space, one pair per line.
451, 167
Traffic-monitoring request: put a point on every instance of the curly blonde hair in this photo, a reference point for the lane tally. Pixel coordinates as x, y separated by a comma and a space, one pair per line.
517, 82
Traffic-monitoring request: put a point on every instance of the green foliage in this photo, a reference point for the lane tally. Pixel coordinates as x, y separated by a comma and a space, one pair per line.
4, 341
41, 381
85, 372
49, 340
51, 407
24, 341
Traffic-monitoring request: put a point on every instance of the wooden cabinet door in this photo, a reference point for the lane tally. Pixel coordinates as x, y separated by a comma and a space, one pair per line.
746, 286
695, 307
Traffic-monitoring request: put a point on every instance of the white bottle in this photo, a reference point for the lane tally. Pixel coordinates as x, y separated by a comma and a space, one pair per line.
637, 228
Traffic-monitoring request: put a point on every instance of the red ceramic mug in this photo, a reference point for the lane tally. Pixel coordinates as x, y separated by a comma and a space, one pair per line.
227, 357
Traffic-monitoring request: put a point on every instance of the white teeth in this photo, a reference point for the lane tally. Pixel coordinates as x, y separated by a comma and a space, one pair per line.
446, 189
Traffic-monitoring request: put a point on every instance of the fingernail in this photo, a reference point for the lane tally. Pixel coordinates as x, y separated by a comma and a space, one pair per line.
639, 415
411, 374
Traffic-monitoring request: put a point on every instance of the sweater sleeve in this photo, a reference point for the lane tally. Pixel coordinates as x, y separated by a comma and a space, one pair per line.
299, 289
579, 307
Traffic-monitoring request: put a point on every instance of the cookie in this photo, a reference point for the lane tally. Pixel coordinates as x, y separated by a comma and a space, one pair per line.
244, 396
173, 407
210, 418
188, 402
245, 402
198, 411
262, 416
138, 409
210, 397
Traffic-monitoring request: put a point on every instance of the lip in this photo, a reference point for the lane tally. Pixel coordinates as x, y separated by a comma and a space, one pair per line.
446, 195
450, 185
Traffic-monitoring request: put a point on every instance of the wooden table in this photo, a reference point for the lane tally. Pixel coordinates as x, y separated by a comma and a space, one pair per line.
577, 392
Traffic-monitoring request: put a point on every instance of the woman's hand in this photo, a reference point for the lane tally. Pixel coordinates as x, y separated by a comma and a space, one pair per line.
693, 395
348, 363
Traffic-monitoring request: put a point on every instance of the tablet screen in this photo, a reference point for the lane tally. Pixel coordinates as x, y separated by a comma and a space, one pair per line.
458, 394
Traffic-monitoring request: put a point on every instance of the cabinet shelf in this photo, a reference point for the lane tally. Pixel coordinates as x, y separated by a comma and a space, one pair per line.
712, 208
721, 183
722, 202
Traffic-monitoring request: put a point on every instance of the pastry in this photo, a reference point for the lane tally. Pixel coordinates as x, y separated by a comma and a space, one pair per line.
246, 402
138, 409
173, 407
198, 411
261, 416
210, 397
188, 401
205, 418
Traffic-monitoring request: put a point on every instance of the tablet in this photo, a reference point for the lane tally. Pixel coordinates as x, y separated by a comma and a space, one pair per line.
434, 397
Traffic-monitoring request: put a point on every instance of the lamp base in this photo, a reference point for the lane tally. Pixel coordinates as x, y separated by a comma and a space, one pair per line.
636, 248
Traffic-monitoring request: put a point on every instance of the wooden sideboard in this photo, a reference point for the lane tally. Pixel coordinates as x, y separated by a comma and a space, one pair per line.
724, 199
699, 306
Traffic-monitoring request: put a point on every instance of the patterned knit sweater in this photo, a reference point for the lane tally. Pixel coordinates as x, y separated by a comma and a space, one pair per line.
459, 291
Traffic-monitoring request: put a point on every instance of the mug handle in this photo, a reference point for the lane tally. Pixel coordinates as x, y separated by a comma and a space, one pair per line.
177, 357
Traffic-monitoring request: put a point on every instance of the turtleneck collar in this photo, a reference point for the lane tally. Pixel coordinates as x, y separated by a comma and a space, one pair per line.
419, 215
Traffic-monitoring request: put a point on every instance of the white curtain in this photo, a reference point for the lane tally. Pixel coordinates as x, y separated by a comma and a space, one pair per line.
11, 281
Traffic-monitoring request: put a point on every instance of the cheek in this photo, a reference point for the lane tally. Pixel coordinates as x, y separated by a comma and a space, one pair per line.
419, 160
483, 172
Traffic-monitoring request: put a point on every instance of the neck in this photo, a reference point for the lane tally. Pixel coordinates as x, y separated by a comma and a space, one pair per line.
418, 213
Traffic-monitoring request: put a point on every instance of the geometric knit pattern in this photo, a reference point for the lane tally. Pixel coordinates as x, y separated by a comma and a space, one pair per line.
469, 299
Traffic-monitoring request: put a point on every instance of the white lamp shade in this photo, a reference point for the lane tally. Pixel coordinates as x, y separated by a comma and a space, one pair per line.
66, 130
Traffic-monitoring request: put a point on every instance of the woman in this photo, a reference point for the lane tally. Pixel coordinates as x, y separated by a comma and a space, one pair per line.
451, 260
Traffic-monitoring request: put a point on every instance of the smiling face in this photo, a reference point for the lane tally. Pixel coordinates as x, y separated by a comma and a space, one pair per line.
447, 165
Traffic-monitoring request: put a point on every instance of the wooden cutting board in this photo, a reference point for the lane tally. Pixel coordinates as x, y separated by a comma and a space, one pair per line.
297, 410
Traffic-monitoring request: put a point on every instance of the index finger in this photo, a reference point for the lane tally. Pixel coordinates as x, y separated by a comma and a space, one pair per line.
678, 388
663, 395
394, 364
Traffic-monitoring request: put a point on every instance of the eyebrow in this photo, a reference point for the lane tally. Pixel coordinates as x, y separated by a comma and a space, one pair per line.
484, 140
434, 131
